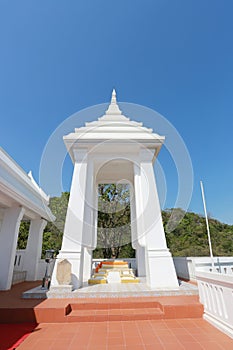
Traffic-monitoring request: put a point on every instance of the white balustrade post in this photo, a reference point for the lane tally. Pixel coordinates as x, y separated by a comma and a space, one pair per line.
8, 243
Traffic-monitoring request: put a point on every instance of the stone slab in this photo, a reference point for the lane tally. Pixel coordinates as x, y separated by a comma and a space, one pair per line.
63, 273
35, 293
114, 277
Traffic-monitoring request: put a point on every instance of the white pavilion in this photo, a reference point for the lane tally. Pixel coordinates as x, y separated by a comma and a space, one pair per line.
110, 150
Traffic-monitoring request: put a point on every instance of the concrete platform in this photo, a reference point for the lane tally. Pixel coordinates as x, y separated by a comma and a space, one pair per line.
112, 290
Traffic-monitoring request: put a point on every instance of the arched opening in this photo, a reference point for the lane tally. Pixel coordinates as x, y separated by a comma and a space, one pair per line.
114, 221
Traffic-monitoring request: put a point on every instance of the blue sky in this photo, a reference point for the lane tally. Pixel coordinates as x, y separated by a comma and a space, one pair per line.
176, 57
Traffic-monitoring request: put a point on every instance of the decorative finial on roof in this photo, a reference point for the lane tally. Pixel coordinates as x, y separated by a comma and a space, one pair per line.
113, 108
113, 100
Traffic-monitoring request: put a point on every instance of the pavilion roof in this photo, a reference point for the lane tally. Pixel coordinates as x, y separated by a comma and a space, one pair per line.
116, 127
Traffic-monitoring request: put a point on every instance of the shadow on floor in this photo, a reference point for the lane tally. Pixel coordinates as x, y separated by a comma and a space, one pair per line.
14, 309
11, 335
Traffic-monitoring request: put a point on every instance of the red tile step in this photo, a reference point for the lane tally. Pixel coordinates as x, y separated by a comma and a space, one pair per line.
114, 315
128, 310
109, 304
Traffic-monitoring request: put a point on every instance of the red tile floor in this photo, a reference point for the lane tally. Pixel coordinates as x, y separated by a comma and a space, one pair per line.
128, 335
168, 333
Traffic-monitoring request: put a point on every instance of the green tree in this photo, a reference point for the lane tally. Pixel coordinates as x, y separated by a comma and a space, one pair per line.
53, 233
23, 234
189, 237
114, 228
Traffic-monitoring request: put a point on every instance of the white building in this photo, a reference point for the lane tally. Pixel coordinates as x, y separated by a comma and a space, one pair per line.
20, 198
110, 150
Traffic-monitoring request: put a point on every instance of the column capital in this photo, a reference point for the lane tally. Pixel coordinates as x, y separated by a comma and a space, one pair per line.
80, 155
40, 221
16, 212
146, 155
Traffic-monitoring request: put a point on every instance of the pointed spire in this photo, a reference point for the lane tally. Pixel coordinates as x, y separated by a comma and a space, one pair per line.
113, 108
113, 99
113, 113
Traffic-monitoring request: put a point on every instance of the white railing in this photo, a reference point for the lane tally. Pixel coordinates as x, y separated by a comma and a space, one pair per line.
19, 265
19, 276
186, 266
216, 294
19, 257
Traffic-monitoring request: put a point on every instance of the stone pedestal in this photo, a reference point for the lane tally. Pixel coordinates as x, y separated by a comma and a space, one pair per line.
75, 278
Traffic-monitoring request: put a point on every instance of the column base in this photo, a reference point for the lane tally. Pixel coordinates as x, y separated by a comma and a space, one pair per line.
69, 275
161, 273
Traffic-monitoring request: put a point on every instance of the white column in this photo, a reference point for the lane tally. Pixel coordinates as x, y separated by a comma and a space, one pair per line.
134, 236
152, 218
140, 260
140, 251
87, 264
139, 193
89, 208
73, 231
95, 215
8, 243
34, 247
160, 268
74, 226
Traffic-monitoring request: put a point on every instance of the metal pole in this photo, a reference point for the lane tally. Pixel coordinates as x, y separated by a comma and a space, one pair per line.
207, 225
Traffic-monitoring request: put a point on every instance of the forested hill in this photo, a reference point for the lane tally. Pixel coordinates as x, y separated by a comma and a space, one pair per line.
188, 238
